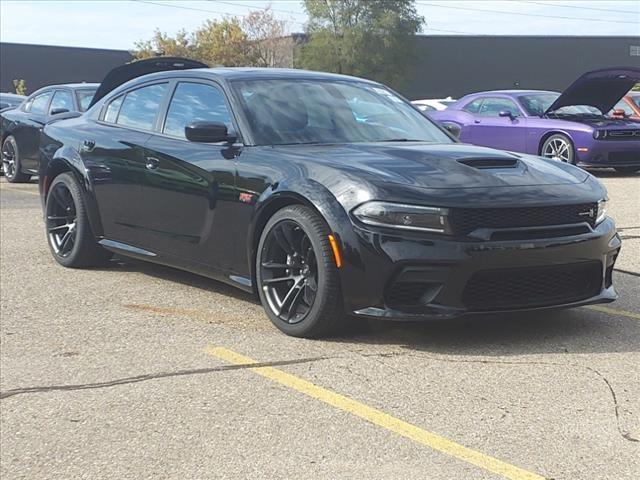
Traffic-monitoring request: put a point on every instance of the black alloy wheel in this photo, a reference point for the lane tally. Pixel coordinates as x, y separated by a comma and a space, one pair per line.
11, 162
297, 277
69, 234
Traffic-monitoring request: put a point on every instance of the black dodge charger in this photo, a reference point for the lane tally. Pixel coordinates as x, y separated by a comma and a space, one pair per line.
329, 196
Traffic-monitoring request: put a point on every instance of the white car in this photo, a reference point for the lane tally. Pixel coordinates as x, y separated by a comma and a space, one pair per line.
431, 104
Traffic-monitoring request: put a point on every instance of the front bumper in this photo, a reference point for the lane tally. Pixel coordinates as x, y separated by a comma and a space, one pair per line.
447, 268
610, 153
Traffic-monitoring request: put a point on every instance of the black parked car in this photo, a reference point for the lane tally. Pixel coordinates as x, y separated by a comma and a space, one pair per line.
20, 127
10, 100
325, 195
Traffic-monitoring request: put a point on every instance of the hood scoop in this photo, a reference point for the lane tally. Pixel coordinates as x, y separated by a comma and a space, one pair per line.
487, 163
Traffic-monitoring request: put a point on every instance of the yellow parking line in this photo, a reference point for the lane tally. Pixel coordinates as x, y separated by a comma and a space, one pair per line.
378, 417
614, 311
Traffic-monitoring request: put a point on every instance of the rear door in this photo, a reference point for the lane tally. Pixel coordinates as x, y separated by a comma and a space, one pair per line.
491, 130
27, 134
113, 151
189, 187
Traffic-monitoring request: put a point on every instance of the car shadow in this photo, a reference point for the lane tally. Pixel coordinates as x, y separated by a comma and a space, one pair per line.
611, 173
578, 330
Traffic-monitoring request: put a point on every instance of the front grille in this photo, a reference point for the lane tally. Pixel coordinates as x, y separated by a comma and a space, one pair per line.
532, 287
632, 157
466, 220
630, 134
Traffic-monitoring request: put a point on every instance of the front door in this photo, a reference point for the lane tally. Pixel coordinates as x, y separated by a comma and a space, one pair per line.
28, 132
489, 129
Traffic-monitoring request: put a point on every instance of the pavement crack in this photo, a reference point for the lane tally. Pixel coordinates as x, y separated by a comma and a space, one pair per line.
616, 407
153, 376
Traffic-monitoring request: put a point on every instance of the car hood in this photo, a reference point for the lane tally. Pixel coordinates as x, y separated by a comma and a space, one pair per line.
599, 88
440, 166
119, 75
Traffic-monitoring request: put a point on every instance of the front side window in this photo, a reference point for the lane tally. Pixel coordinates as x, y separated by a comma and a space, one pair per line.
298, 111
62, 99
195, 102
140, 107
39, 104
84, 98
491, 107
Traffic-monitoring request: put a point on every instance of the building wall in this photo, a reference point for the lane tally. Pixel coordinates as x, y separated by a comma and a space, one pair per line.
457, 65
41, 65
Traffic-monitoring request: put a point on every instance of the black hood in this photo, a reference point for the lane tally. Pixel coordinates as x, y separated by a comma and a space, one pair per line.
600, 88
128, 71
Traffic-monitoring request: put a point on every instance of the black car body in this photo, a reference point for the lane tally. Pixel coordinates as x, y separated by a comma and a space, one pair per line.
10, 100
419, 229
20, 127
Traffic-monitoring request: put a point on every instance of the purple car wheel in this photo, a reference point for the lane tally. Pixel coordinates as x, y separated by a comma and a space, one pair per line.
558, 147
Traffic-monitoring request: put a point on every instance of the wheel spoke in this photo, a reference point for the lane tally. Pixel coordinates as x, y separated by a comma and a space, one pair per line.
271, 281
274, 266
290, 298
61, 217
65, 240
51, 229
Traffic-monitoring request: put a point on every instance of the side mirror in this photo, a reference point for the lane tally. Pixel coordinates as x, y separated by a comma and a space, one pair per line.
208, 132
452, 128
506, 113
58, 111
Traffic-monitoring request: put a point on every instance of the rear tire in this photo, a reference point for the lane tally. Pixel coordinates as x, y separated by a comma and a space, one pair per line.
296, 275
11, 161
627, 170
69, 234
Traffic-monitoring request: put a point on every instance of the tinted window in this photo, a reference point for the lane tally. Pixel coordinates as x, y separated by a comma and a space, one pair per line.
299, 111
62, 99
491, 107
140, 107
539, 103
474, 106
195, 102
84, 98
39, 104
112, 110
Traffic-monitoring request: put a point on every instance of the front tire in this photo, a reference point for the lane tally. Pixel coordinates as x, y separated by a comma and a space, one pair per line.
69, 234
11, 162
559, 147
296, 274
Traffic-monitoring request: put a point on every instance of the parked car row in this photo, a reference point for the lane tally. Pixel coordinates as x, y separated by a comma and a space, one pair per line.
22, 123
330, 197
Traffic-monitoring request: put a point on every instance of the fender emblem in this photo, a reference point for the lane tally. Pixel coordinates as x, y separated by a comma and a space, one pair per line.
246, 197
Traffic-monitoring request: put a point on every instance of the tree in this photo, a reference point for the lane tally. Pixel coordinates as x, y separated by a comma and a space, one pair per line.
162, 44
222, 42
266, 34
367, 38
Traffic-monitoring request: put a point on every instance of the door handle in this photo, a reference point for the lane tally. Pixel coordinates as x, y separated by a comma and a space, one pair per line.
88, 145
476, 121
152, 163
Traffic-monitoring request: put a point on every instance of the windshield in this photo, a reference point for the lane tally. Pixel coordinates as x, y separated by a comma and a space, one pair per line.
538, 104
636, 100
289, 112
84, 98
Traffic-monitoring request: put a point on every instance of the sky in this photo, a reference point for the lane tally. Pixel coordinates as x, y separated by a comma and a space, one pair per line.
118, 24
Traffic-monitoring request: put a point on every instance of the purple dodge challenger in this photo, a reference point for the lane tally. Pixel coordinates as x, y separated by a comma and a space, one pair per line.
569, 127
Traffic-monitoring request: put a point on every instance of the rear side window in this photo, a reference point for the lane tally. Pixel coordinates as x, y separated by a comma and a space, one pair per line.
140, 107
112, 110
474, 106
62, 99
84, 98
195, 102
39, 104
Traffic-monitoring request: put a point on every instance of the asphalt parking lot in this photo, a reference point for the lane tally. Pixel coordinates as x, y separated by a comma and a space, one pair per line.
141, 371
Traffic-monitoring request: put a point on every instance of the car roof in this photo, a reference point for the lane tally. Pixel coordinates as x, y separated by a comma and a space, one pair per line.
512, 92
12, 95
74, 85
252, 73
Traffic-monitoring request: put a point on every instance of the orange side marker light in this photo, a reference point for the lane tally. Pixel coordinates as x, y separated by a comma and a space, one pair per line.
336, 250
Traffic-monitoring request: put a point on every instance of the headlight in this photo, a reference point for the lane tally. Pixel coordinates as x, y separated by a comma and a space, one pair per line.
602, 210
599, 134
405, 217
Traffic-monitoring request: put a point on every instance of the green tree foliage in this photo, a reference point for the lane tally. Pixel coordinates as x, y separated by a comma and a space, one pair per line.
366, 38
20, 86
